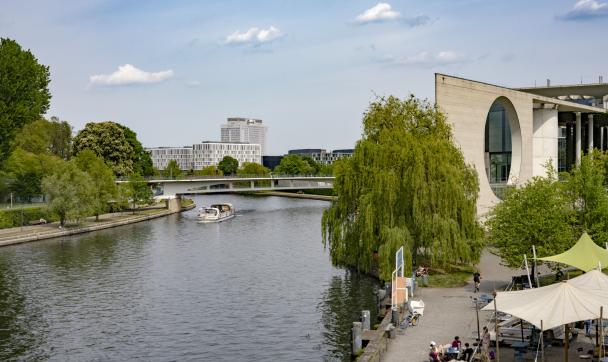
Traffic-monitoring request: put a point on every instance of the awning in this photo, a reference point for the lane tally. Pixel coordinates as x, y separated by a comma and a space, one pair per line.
555, 304
584, 255
591, 280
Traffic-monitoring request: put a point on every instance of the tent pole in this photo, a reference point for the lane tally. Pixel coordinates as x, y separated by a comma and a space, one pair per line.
601, 331
527, 271
566, 342
496, 329
542, 343
535, 271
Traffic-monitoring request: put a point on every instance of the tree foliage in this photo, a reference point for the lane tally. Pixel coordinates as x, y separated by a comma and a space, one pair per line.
108, 141
228, 165
25, 171
103, 181
408, 185
46, 137
70, 192
172, 170
138, 191
252, 168
142, 162
24, 93
551, 214
294, 165
535, 214
208, 171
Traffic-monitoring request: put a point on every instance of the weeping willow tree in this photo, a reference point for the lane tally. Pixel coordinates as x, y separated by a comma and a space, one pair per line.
408, 185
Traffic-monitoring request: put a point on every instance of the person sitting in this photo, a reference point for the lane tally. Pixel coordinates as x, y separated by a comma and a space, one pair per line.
456, 343
434, 353
467, 354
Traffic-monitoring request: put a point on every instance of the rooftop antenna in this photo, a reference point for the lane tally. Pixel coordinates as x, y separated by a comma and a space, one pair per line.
548, 82
601, 79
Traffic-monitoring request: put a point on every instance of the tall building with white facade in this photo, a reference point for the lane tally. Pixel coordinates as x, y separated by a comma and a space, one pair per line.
204, 154
211, 153
162, 155
245, 130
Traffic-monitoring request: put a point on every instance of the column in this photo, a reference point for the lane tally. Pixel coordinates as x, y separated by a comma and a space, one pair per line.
601, 138
590, 136
578, 138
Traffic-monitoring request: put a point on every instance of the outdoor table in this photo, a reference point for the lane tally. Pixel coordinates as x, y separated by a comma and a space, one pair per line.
452, 352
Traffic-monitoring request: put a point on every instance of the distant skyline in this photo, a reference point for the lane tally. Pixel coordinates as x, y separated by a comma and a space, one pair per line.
174, 71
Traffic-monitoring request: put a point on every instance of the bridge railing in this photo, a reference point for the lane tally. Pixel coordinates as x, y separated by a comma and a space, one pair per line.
235, 177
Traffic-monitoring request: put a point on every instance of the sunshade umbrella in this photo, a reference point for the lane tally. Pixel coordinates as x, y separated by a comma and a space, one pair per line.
584, 255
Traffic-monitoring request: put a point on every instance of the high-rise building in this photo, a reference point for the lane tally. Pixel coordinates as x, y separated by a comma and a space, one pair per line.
245, 130
204, 154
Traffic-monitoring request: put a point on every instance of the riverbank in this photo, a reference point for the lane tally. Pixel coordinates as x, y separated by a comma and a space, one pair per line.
296, 195
25, 234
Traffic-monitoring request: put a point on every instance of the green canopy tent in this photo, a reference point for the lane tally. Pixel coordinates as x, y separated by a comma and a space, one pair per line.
584, 255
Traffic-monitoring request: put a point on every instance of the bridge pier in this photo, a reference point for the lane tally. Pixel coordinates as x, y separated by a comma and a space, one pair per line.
252, 183
174, 204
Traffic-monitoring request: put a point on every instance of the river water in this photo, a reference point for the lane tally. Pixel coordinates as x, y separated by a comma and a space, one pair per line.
259, 287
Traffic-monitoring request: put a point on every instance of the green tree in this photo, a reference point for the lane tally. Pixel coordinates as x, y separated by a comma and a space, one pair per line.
46, 137
208, 171
103, 181
585, 190
24, 92
228, 165
142, 162
314, 165
408, 185
26, 171
139, 191
293, 165
172, 171
535, 214
252, 168
108, 141
69, 191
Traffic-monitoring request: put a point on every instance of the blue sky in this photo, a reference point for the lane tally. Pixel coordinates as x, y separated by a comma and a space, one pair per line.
173, 71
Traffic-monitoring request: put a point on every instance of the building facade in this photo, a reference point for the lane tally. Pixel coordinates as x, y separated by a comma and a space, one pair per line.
321, 156
211, 153
244, 130
509, 135
204, 154
162, 155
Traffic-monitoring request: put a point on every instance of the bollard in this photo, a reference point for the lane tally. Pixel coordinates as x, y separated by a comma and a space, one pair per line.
365, 320
395, 316
392, 331
357, 331
381, 294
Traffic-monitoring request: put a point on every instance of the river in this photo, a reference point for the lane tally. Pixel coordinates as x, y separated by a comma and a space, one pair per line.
259, 287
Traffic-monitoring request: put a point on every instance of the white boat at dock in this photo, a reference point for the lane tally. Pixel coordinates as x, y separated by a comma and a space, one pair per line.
216, 213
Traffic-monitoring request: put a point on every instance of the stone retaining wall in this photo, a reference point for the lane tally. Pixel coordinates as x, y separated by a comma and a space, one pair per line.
376, 347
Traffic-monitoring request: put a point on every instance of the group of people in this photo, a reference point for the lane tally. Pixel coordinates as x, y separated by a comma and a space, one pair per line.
463, 354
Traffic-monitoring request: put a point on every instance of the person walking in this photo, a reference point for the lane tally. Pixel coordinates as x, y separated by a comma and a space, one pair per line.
477, 281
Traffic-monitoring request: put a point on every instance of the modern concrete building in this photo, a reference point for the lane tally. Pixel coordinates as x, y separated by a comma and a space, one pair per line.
211, 153
509, 135
244, 130
204, 154
162, 155
320, 155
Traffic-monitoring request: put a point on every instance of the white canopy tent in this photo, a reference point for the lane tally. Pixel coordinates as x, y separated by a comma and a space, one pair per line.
592, 280
554, 305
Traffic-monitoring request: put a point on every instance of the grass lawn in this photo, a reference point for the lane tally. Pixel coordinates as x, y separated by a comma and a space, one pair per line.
451, 277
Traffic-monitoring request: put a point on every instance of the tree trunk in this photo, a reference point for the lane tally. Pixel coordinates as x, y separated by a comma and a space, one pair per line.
97, 217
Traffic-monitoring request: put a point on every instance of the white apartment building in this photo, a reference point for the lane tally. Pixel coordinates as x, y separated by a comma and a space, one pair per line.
204, 154
211, 153
162, 155
244, 130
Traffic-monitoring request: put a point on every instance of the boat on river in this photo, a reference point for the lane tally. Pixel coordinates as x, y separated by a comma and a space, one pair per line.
216, 213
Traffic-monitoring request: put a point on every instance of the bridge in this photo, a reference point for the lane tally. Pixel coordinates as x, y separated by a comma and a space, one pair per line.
222, 184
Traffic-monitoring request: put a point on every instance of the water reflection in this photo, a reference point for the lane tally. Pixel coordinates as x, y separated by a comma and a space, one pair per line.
341, 305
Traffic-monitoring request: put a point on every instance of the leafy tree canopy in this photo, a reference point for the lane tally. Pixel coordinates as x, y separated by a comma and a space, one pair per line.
142, 162
46, 137
252, 168
103, 181
408, 185
294, 165
25, 171
172, 170
24, 92
228, 165
108, 141
138, 190
208, 171
70, 192
535, 214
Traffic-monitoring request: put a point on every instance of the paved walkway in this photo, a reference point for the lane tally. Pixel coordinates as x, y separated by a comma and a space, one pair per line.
450, 312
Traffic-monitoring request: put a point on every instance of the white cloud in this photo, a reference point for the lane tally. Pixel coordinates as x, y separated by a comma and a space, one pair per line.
254, 36
427, 59
586, 10
128, 74
380, 12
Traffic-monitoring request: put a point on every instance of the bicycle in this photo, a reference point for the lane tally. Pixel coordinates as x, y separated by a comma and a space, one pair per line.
410, 320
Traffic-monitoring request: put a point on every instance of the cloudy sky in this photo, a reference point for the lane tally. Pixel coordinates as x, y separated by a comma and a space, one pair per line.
174, 70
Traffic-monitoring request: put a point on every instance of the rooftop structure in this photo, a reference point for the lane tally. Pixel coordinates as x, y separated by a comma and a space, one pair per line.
246, 130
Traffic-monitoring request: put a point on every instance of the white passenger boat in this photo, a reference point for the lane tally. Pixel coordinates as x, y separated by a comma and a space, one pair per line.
216, 213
